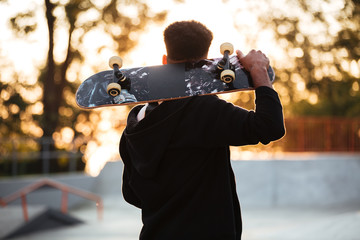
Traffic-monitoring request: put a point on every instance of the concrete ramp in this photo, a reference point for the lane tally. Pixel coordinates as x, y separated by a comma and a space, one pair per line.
44, 220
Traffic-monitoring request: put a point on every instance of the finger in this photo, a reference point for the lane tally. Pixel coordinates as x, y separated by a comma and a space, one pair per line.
262, 53
239, 54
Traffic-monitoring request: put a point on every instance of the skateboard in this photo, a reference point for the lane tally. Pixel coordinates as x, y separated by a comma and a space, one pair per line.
166, 82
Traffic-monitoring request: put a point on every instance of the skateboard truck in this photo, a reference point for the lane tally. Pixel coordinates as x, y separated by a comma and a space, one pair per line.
114, 88
227, 74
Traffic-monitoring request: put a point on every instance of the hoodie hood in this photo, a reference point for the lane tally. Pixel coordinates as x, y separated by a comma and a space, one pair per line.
138, 135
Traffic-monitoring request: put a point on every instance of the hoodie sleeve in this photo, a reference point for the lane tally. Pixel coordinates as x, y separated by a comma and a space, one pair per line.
213, 122
242, 127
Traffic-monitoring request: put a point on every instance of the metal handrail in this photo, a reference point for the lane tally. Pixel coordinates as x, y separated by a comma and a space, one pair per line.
65, 189
10, 151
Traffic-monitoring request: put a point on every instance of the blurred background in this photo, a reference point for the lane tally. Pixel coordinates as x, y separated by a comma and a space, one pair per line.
49, 47
304, 186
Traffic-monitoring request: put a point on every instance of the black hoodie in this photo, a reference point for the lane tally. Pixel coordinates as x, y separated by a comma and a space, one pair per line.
177, 163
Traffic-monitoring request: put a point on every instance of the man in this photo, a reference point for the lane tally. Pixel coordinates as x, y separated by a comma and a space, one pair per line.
177, 158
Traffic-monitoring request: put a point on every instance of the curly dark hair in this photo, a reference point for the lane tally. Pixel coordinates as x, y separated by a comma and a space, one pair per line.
187, 40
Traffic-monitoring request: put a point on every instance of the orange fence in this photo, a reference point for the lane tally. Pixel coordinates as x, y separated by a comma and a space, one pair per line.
321, 134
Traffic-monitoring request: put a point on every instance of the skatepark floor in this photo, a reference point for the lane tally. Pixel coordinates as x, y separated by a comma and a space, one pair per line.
123, 222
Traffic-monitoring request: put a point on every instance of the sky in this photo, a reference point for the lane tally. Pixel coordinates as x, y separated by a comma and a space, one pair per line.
216, 15
210, 14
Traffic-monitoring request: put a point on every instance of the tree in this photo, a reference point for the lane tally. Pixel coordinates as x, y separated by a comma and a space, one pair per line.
117, 22
317, 54
112, 19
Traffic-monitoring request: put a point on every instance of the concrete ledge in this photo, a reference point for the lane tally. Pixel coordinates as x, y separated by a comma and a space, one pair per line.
298, 183
311, 181
295, 180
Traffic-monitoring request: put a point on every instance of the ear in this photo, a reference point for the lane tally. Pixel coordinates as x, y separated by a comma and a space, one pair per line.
164, 59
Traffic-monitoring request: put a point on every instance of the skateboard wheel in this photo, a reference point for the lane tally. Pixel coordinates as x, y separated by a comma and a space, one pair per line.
227, 76
226, 47
113, 89
115, 60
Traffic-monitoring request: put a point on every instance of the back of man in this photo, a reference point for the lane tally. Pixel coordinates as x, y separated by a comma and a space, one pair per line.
177, 158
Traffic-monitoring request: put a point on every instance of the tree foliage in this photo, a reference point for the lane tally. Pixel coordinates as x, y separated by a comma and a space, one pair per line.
318, 54
113, 25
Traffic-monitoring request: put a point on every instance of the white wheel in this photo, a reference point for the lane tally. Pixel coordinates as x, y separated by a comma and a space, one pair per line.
115, 60
227, 76
113, 89
226, 47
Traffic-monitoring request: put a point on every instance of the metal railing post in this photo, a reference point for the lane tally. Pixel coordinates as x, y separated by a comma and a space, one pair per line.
45, 155
72, 158
14, 165
24, 207
64, 201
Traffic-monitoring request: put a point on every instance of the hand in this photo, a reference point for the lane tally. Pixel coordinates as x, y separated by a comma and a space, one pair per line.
253, 59
257, 64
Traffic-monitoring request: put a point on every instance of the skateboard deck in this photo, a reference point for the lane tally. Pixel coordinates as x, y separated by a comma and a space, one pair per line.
162, 83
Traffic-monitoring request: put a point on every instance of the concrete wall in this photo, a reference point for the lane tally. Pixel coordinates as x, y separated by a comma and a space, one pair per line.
319, 180
316, 182
109, 181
